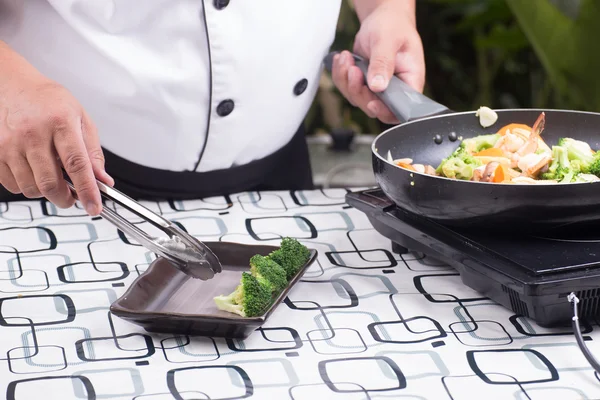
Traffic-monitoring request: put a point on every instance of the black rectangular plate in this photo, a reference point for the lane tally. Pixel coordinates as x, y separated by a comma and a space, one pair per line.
165, 300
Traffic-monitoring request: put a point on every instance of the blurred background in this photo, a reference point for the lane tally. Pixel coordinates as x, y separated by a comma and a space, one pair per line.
498, 53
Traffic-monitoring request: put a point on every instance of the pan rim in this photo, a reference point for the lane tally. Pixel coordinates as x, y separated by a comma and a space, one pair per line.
459, 181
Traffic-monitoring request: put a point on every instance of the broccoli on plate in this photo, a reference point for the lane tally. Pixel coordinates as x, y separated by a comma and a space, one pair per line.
267, 277
291, 255
268, 272
250, 299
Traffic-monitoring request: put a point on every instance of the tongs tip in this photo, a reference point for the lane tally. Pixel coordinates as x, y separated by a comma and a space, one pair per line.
194, 258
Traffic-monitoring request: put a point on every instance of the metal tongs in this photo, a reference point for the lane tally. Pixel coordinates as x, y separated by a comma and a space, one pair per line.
184, 251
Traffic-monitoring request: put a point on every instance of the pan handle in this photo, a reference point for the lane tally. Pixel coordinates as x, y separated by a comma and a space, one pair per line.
403, 101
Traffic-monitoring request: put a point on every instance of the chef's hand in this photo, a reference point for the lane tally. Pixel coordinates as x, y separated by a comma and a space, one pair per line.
43, 127
389, 40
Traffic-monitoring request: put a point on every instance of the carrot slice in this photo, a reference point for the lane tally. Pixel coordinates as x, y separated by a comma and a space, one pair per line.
491, 152
500, 174
407, 166
510, 127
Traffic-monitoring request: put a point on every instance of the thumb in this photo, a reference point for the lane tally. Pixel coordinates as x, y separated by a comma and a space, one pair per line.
381, 64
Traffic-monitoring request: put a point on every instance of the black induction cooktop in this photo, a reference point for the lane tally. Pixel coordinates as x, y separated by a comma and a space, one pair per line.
530, 275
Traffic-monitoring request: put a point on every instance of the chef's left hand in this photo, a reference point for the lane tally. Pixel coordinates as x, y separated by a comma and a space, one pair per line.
389, 39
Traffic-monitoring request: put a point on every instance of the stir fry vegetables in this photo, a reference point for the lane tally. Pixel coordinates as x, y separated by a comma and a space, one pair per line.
516, 154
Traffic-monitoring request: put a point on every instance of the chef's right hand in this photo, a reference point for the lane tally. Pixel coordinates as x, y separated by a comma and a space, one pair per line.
43, 127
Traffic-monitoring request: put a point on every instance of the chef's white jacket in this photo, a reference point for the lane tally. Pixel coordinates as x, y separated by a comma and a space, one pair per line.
181, 85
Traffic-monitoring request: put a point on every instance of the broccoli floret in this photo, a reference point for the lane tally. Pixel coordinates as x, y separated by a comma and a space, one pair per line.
461, 164
268, 275
561, 169
595, 166
560, 159
479, 143
547, 176
268, 272
458, 166
579, 151
291, 255
581, 177
566, 174
564, 168
249, 299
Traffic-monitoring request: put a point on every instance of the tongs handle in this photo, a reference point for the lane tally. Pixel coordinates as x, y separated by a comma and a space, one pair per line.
203, 269
127, 202
133, 206
138, 234
112, 216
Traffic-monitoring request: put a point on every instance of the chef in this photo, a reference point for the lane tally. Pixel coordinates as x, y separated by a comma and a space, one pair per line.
179, 98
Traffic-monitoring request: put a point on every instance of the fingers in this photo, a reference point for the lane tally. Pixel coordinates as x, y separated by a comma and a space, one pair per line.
70, 146
349, 80
7, 180
95, 153
48, 176
410, 64
33, 167
406, 56
345, 77
382, 62
24, 177
339, 73
365, 99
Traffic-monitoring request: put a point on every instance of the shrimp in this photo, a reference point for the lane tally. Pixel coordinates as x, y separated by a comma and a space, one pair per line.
510, 143
478, 173
531, 164
532, 143
424, 169
517, 143
488, 172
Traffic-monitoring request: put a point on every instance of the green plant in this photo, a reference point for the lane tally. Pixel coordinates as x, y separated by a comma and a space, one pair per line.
563, 34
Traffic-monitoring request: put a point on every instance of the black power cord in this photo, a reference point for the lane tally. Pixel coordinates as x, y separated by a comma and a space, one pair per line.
582, 346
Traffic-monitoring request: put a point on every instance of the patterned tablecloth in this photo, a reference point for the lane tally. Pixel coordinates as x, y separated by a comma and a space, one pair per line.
364, 323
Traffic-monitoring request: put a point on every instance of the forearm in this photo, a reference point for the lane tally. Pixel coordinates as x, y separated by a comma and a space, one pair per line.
365, 7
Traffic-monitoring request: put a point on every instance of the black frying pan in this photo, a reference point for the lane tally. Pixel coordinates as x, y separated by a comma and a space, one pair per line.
468, 204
